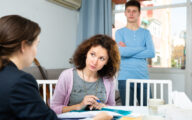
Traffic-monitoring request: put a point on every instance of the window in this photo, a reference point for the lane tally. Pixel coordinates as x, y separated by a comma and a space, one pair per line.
167, 24
163, 2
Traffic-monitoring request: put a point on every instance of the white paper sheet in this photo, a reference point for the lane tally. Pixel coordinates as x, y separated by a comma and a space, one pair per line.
84, 114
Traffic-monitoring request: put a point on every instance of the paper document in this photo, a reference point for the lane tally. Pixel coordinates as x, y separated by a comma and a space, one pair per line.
84, 114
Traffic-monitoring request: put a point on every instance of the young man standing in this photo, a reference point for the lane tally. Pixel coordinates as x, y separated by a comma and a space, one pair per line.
135, 45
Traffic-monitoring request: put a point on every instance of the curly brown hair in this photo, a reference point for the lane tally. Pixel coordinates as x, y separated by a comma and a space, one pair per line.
112, 66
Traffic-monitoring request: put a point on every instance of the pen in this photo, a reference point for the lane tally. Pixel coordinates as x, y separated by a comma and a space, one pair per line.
98, 101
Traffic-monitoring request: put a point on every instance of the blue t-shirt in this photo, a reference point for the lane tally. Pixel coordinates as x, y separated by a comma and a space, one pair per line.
139, 46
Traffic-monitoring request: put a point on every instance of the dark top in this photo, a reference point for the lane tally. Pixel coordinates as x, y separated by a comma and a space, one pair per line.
20, 98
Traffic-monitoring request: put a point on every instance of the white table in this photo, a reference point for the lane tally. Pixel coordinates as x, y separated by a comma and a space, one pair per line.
136, 111
139, 111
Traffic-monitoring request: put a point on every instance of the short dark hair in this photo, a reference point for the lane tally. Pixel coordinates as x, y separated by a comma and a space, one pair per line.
133, 3
13, 30
112, 66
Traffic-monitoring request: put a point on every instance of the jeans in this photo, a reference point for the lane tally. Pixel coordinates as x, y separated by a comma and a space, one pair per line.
122, 90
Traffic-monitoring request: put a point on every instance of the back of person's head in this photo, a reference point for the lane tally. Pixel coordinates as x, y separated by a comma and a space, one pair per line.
134, 3
13, 30
112, 66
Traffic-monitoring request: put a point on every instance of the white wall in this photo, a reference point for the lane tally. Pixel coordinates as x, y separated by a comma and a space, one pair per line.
58, 24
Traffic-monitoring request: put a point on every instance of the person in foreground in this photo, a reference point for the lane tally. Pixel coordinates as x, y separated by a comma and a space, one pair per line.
135, 46
90, 83
19, 95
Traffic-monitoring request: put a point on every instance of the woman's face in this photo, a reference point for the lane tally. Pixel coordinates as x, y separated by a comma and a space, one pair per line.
30, 52
96, 58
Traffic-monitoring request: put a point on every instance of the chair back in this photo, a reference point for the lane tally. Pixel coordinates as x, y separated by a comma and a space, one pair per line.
50, 84
155, 89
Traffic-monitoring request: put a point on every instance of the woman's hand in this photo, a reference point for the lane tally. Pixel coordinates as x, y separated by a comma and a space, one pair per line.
103, 116
97, 106
89, 100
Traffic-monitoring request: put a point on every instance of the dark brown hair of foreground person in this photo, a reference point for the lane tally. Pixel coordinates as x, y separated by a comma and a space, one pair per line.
112, 66
13, 30
133, 3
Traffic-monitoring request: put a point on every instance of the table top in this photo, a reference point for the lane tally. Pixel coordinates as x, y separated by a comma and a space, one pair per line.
136, 111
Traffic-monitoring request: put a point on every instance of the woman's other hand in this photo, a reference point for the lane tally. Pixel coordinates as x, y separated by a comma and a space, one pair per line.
103, 116
97, 106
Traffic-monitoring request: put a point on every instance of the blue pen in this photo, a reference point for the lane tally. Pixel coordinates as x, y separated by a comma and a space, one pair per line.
98, 101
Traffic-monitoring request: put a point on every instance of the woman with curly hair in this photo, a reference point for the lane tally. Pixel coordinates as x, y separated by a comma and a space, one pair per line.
90, 83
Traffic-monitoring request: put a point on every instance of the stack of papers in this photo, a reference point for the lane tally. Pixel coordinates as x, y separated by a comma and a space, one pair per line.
84, 114
87, 114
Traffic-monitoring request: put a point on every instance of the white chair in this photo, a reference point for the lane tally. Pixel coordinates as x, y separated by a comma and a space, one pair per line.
49, 84
156, 88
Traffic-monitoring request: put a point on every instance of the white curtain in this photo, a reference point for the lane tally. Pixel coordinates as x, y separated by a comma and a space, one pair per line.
188, 75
